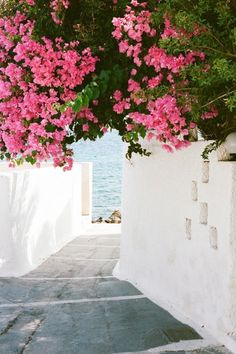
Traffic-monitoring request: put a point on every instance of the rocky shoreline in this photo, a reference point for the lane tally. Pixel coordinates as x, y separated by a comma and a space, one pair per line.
114, 218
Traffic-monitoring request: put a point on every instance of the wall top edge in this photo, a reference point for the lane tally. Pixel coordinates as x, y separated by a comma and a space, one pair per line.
6, 170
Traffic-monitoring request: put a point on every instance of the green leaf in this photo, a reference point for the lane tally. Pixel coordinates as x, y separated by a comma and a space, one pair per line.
85, 100
96, 92
88, 92
78, 104
30, 159
50, 128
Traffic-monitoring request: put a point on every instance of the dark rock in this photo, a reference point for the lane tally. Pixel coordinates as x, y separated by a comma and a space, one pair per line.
98, 221
114, 218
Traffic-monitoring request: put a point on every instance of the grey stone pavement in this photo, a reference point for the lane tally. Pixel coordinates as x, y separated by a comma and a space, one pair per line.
71, 304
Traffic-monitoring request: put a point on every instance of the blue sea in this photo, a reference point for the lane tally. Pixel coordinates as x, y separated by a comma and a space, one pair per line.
106, 156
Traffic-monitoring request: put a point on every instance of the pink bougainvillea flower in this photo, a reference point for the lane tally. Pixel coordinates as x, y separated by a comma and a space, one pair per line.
34, 78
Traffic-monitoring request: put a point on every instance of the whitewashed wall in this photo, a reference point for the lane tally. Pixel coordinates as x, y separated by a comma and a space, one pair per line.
87, 189
40, 211
179, 235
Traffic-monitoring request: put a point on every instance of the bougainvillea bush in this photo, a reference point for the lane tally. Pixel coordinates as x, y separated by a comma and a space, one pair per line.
74, 69
184, 69
45, 62
36, 77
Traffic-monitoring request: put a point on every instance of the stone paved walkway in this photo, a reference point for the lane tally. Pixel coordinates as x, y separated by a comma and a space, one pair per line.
71, 304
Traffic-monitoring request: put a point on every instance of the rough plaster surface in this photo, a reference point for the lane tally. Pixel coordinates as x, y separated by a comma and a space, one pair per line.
40, 211
190, 270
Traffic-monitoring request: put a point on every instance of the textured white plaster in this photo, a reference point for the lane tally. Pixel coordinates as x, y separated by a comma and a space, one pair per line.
101, 230
222, 153
155, 254
230, 143
194, 191
87, 188
213, 237
205, 171
203, 213
40, 211
188, 227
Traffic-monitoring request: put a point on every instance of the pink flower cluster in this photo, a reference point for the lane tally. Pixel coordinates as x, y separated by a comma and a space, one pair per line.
165, 122
132, 27
87, 115
210, 114
158, 111
122, 104
35, 78
158, 58
57, 6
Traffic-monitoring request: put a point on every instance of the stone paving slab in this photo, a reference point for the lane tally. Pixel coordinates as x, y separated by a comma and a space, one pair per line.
89, 252
92, 328
60, 309
96, 241
24, 290
7, 319
73, 268
207, 350
19, 332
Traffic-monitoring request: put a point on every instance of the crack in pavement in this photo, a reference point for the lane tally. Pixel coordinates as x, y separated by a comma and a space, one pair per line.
10, 324
38, 323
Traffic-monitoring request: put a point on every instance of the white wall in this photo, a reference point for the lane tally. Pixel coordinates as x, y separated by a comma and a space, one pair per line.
40, 211
179, 235
87, 188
